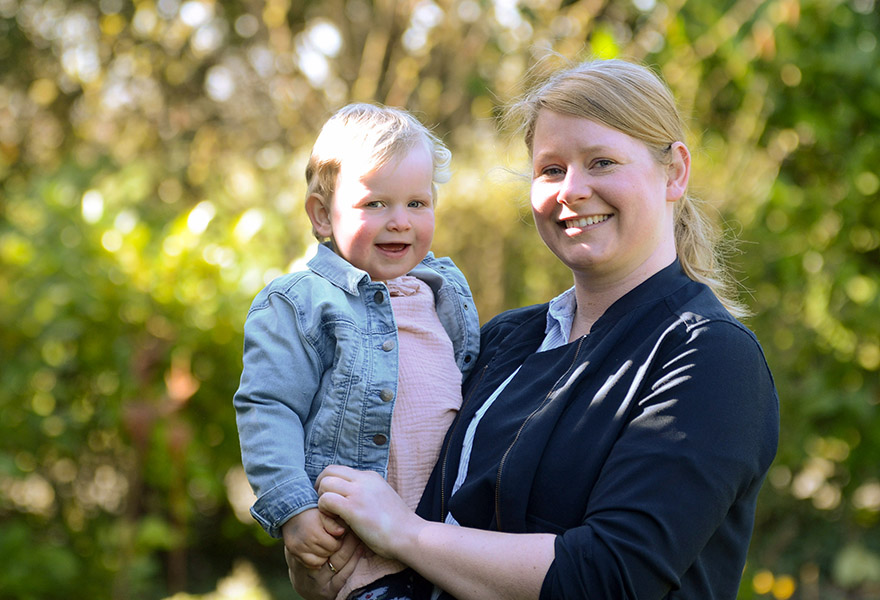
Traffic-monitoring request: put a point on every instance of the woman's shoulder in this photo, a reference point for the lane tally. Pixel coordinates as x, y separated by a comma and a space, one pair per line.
531, 319
517, 316
696, 306
699, 321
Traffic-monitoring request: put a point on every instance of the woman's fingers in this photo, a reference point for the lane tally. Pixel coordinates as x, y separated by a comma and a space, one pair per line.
325, 582
346, 482
346, 558
341, 490
368, 504
312, 584
338, 472
333, 503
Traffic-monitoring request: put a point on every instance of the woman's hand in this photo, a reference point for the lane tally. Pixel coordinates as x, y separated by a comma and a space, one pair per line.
467, 563
370, 506
324, 583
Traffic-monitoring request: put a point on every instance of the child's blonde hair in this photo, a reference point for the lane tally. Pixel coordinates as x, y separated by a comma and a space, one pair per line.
632, 99
372, 134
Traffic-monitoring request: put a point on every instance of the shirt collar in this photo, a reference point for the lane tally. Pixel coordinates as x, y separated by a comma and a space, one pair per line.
560, 316
337, 270
561, 312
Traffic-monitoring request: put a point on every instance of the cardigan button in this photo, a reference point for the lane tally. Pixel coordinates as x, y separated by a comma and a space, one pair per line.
386, 395
380, 439
379, 297
388, 345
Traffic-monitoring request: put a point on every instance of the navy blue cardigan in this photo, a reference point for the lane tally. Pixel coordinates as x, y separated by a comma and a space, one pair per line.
643, 444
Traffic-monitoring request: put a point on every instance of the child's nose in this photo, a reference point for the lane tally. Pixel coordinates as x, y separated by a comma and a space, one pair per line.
399, 219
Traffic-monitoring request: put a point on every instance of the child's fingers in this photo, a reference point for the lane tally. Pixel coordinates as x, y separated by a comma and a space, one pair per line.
333, 524
314, 551
309, 555
309, 560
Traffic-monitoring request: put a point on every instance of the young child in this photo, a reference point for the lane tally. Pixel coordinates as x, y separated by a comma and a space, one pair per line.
359, 359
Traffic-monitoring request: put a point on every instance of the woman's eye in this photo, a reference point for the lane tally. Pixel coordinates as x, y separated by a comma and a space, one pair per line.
552, 172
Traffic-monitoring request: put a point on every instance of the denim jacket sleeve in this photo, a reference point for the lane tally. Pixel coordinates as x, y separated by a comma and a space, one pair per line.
280, 376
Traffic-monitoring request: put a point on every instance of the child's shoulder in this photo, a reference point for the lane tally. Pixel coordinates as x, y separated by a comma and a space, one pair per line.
285, 282
303, 283
442, 265
438, 262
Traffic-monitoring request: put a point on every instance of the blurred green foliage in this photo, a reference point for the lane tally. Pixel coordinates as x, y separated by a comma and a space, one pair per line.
151, 180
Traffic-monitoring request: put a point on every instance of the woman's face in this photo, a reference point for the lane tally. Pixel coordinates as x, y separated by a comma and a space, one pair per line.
600, 200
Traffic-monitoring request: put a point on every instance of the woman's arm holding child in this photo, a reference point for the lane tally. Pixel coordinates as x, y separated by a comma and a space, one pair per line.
467, 563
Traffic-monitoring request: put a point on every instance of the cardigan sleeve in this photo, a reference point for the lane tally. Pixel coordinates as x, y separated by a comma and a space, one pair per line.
678, 490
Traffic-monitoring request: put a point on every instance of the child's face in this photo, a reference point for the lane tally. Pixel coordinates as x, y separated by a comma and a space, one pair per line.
382, 221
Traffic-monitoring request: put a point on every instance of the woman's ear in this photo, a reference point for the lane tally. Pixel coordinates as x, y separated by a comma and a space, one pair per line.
318, 210
678, 172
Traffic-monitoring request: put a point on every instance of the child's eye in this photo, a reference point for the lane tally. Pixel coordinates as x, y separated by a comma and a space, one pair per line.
417, 203
373, 204
604, 163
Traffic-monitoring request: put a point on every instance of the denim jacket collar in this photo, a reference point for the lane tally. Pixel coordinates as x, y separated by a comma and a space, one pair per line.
349, 278
337, 270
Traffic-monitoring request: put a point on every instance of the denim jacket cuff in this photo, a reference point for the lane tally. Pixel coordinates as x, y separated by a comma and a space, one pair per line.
274, 508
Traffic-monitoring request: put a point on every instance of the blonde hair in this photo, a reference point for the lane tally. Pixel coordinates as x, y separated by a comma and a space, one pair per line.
372, 134
632, 99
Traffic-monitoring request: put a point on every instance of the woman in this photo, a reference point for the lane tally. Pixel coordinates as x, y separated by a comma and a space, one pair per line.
612, 442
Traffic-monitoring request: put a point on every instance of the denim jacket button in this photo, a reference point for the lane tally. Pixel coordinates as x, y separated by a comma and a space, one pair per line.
379, 297
388, 345
379, 439
386, 395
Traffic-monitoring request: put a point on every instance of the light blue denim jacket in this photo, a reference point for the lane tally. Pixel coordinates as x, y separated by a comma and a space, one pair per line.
319, 378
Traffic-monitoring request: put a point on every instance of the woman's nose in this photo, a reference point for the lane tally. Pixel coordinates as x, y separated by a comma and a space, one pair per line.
575, 187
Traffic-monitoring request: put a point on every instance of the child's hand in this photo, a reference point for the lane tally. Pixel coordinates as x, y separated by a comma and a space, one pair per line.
312, 536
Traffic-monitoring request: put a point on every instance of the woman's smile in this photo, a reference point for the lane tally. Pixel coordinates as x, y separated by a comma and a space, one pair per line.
581, 222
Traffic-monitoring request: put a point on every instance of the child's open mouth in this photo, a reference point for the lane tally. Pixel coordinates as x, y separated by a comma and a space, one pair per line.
393, 247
